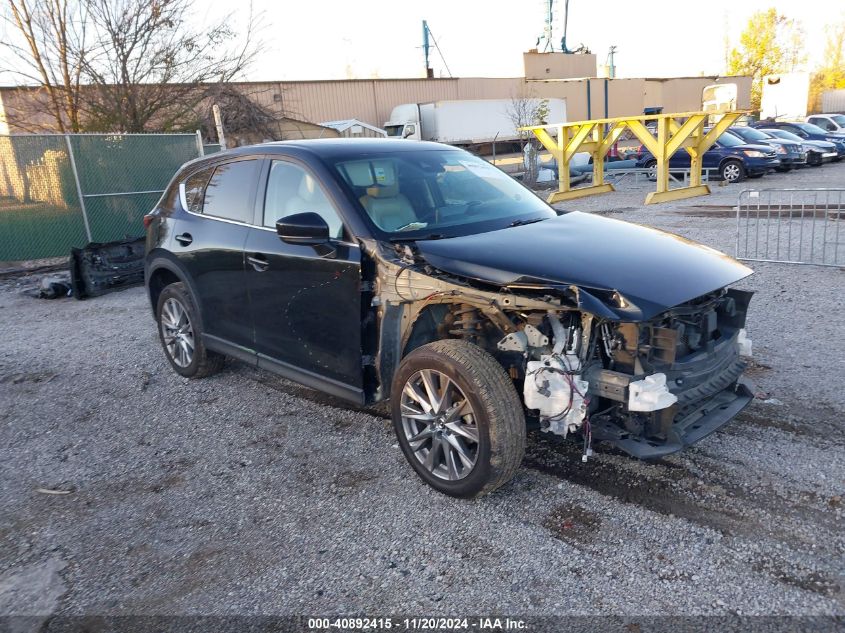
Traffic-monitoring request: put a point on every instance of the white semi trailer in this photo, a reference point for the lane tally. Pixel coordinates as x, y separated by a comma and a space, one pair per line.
466, 123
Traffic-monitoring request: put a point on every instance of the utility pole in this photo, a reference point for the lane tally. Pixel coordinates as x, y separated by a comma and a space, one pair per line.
218, 123
429, 71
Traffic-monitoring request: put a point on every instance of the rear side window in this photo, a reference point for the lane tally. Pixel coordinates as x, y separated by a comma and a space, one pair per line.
227, 193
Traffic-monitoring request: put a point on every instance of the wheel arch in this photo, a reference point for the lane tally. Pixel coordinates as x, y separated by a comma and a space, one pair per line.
427, 327
732, 158
161, 272
402, 333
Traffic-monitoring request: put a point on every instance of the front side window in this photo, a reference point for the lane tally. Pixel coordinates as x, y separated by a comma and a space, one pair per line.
290, 190
227, 193
445, 192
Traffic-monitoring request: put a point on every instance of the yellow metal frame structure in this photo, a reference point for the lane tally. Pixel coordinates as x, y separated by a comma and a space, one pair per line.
683, 130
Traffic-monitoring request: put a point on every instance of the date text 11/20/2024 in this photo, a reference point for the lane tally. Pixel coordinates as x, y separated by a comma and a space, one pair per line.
417, 624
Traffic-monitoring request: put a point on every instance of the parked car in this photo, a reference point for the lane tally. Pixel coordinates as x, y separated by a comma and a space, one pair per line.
419, 273
790, 153
809, 132
818, 152
829, 122
731, 157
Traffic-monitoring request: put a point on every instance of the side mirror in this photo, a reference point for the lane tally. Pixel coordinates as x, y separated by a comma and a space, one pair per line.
409, 131
303, 228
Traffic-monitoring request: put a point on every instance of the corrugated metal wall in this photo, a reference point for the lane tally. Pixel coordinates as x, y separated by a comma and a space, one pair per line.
371, 100
833, 101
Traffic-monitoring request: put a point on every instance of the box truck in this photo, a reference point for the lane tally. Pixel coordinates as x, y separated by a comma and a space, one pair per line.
466, 123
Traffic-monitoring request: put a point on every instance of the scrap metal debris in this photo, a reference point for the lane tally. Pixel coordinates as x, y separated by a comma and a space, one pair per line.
98, 269
55, 286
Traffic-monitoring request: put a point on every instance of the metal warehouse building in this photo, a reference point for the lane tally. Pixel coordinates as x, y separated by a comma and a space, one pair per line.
547, 75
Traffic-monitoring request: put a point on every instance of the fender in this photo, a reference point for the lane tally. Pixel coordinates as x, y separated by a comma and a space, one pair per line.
159, 259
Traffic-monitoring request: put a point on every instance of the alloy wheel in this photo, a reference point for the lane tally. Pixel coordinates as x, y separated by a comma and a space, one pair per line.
439, 425
731, 172
177, 332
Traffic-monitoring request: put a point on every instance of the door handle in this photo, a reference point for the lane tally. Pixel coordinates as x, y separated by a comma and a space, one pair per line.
184, 239
258, 263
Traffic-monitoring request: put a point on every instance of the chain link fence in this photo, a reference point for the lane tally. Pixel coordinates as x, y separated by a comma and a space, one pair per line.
791, 226
62, 191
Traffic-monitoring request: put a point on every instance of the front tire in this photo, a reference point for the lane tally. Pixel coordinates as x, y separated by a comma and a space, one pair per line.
732, 171
458, 418
180, 335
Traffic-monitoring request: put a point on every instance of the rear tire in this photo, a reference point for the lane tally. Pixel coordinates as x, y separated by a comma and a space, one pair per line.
463, 408
652, 170
180, 334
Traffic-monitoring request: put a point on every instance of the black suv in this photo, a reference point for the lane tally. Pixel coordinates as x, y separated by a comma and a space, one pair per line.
376, 269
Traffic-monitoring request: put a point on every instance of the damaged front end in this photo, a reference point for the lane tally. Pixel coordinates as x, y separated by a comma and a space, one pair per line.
666, 383
648, 387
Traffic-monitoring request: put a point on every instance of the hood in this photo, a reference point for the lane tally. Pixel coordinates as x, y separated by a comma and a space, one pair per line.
650, 270
825, 145
758, 147
781, 141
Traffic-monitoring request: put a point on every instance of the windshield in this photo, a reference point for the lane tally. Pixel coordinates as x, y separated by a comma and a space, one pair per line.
750, 134
729, 140
786, 135
421, 194
839, 119
810, 128
394, 130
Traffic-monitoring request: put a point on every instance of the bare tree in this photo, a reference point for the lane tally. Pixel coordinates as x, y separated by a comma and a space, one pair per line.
121, 65
150, 67
526, 110
48, 43
242, 116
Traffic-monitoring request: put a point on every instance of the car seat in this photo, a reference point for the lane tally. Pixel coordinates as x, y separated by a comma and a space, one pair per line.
384, 203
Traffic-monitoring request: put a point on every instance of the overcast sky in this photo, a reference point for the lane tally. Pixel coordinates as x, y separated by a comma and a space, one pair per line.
331, 39
336, 39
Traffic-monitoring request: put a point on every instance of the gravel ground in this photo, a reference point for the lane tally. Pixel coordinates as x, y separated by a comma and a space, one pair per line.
246, 494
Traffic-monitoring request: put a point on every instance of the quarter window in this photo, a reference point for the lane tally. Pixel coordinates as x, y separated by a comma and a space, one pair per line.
290, 190
195, 188
227, 193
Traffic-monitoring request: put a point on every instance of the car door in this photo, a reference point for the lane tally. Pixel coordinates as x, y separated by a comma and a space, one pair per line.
680, 159
209, 243
712, 157
305, 300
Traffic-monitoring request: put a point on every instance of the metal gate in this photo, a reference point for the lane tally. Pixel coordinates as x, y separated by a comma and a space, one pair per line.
791, 226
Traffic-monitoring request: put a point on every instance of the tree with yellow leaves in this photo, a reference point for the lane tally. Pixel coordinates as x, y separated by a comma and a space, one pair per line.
831, 74
770, 44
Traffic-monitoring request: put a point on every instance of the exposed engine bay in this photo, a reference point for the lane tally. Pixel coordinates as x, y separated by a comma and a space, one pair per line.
648, 387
